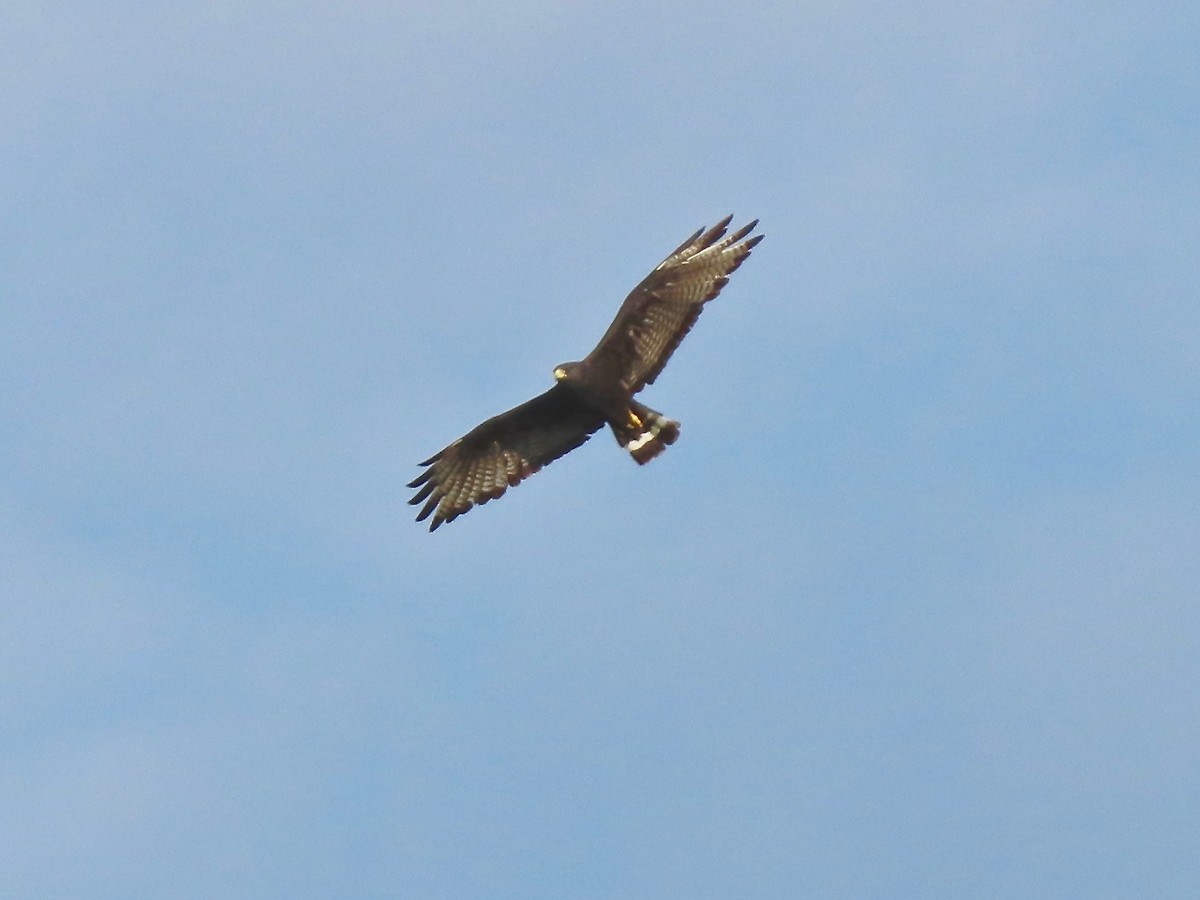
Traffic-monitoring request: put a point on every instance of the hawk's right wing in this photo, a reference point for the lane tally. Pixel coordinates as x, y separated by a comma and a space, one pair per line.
502, 452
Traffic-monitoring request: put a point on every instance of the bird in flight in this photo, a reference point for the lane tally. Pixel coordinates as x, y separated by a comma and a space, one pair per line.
598, 390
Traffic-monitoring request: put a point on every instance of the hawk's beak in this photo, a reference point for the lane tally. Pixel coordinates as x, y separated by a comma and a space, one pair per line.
560, 373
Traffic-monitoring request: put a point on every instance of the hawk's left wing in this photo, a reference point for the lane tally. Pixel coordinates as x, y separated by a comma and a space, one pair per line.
662, 309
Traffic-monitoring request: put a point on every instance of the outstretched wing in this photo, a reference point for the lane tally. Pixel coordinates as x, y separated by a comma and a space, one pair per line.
503, 451
662, 309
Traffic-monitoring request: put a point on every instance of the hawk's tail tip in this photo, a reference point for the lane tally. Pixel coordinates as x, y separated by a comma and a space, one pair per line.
658, 433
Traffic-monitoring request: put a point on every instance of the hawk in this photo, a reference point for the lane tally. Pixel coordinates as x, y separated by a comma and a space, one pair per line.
596, 391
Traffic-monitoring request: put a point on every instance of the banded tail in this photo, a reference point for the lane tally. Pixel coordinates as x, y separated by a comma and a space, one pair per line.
646, 433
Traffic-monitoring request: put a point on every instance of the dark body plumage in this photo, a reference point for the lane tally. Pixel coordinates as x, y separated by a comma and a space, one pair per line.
597, 390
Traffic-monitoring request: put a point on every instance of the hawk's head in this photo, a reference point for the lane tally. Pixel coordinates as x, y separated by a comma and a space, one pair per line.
566, 372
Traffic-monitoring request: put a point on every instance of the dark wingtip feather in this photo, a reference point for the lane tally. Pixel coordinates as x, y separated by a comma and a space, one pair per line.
422, 478
429, 507
422, 493
691, 240
443, 518
742, 232
713, 234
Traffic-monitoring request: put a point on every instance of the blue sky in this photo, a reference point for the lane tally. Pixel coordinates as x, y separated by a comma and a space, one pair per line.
909, 610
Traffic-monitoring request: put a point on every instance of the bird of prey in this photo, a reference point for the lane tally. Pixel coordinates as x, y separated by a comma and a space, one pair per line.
598, 390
